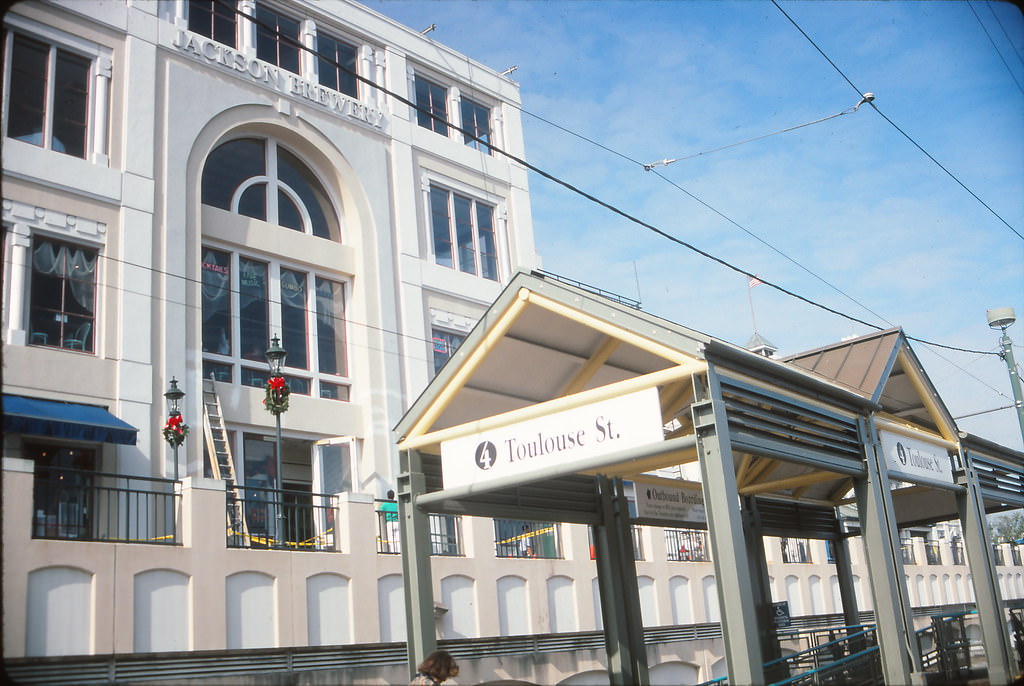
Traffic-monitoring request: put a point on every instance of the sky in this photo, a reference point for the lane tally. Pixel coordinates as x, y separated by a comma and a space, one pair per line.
847, 212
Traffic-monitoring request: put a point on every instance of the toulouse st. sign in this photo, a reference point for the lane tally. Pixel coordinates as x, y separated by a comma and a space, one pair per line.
562, 438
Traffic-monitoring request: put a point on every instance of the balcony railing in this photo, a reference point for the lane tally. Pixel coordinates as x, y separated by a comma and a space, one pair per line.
638, 543
517, 538
445, 532
71, 504
956, 552
907, 551
997, 550
1015, 554
268, 518
795, 550
686, 545
932, 554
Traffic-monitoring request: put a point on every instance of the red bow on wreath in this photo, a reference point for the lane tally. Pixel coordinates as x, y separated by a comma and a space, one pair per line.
174, 423
276, 383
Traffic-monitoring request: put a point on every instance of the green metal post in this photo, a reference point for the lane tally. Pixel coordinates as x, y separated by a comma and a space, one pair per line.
414, 525
630, 588
994, 636
893, 620
610, 582
725, 524
844, 573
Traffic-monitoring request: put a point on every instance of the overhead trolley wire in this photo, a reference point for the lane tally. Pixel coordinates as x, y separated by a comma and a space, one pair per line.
994, 46
592, 198
895, 126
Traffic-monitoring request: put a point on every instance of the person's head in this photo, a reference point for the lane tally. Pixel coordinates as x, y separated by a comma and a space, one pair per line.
439, 665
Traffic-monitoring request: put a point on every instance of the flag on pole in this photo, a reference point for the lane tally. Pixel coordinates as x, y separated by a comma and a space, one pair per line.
754, 281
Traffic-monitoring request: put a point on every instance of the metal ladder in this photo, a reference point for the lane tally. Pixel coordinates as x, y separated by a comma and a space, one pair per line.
221, 460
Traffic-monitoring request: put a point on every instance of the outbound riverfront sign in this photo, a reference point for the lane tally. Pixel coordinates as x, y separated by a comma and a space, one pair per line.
914, 460
561, 438
669, 503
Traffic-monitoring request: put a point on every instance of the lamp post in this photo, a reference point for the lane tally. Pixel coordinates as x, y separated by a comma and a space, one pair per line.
1002, 318
174, 396
276, 392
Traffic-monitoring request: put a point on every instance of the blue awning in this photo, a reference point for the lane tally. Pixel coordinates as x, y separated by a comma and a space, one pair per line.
65, 420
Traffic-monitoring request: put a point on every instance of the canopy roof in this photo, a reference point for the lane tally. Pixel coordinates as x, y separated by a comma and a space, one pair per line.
73, 421
546, 346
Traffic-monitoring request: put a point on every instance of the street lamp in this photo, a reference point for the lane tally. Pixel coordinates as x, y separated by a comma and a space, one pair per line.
277, 394
1002, 318
177, 433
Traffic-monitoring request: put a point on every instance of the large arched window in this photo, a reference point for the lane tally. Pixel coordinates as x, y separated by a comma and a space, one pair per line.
261, 179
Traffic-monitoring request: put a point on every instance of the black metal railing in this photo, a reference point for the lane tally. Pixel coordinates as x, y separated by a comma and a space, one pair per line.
795, 550
445, 531
687, 545
932, 555
1015, 554
281, 520
446, 535
907, 551
997, 551
517, 538
72, 504
956, 552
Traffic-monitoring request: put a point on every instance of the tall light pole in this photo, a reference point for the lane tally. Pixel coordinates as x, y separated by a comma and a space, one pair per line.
278, 394
1002, 318
177, 434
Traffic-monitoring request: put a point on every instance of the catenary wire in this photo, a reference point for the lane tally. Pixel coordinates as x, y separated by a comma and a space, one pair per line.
994, 46
592, 198
895, 126
1009, 40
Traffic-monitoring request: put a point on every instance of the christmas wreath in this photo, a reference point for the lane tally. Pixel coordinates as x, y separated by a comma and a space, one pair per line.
175, 430
277, 392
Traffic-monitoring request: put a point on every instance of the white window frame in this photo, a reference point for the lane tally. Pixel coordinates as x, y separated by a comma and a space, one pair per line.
274, 323
100, 71
475, 195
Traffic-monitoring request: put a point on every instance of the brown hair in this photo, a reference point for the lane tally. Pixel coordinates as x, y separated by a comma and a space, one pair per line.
439, 665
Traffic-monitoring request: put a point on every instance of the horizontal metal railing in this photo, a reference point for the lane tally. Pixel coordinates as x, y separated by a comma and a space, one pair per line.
687, 545
80, 505
525, 539
445, 531
281, 520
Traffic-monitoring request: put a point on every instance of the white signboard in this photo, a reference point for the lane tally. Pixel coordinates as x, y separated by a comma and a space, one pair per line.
915, 460
674, 504
561, 438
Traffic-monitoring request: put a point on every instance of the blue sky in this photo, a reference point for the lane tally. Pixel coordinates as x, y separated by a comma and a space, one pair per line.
850, 200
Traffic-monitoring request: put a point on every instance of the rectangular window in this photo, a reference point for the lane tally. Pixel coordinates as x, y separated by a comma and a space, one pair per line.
466, 225
62, 307
277, 39
253, 320
48, 97
294, 336
476, 120
216, 290
214, 19
309, 309
336, 65
330, 332
444, 344
432, 99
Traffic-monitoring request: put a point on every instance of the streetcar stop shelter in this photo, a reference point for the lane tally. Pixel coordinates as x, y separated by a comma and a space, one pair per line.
560, 397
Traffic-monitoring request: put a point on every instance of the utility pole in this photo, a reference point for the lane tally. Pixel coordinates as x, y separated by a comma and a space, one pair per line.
1002, 318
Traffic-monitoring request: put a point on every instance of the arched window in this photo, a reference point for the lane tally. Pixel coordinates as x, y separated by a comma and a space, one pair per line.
261, 179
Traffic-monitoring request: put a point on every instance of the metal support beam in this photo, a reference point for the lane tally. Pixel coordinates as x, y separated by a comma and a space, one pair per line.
894, 622
847, 588
994, 636
617, 585
415, 532
725, 523
758, 575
